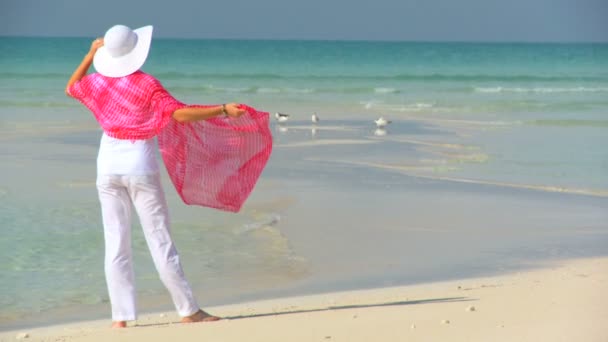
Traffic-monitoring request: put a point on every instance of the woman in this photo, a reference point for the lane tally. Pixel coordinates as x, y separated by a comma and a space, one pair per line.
213, 154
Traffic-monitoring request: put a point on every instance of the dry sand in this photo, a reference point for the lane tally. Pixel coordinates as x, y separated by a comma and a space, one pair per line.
563, 301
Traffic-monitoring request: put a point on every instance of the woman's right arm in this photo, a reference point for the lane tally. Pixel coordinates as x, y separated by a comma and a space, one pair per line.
189, 114
82, 69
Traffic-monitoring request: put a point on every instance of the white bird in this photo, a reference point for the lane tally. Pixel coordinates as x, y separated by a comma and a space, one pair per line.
314, 118
281, 117
382, 122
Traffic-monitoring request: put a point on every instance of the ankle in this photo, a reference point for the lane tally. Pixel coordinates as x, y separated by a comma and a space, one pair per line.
200, 316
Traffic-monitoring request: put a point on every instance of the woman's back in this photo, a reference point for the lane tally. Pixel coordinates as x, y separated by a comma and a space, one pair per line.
131, 107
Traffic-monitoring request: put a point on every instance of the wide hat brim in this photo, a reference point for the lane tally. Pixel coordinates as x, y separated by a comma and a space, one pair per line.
129, 63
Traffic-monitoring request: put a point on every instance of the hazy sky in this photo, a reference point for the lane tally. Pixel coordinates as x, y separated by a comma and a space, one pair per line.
420, 20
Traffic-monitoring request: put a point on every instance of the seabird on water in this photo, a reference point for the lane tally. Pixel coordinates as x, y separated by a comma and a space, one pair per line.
382, 122
281, 117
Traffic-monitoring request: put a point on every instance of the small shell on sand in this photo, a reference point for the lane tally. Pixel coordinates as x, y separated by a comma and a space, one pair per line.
23, 335
471, 308
413, 326
445, 321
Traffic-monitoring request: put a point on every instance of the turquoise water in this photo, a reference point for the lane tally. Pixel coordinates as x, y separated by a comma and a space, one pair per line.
529, 118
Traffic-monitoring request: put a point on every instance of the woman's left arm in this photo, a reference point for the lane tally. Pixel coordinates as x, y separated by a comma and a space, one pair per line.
84, 66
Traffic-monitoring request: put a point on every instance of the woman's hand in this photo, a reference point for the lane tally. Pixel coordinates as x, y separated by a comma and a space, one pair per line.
96, 44
234, 110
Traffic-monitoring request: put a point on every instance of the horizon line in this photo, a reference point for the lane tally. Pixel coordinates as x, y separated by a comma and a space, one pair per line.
431, 41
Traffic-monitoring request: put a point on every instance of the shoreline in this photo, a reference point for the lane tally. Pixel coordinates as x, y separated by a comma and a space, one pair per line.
561, 301
455, 254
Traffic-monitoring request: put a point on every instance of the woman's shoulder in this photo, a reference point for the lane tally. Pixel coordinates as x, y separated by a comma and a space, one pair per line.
142, 76
143, 80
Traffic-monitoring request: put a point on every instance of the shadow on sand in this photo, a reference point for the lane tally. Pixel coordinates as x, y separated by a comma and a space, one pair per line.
333, 308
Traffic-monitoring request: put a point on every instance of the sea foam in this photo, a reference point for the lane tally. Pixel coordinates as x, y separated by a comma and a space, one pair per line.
540, 90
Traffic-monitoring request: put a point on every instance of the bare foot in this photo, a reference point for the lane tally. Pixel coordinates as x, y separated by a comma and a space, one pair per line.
119, 324
200, 316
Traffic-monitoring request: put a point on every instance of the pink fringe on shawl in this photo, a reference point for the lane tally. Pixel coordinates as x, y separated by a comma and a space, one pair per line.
213, 163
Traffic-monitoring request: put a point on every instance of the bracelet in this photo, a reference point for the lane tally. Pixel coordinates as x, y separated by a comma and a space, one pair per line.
224, 109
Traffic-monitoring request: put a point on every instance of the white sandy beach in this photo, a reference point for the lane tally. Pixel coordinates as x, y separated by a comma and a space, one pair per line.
562, 301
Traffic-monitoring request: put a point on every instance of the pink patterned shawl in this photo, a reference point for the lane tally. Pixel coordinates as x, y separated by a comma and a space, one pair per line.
213, 163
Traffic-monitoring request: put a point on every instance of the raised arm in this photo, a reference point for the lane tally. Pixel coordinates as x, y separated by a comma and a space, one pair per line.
84, 66
188, 114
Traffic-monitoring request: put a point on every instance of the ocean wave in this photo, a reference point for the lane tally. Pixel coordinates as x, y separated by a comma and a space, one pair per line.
284, 90
393, 77
417, 107
569, 123
386, 90
540, 90
268, 90
38, 104
411, 107
484, 107
31, 75
174, 75
241, 90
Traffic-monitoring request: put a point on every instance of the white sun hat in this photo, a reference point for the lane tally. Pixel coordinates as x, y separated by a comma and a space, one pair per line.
124, 51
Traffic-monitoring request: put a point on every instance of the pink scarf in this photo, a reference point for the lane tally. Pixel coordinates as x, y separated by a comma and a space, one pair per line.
213, 163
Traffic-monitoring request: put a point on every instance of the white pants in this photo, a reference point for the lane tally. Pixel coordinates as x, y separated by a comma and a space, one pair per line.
116, 193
